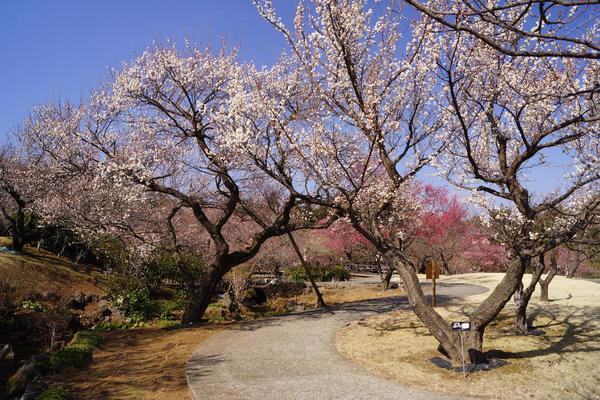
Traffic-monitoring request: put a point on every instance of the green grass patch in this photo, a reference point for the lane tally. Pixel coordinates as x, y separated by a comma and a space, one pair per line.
54, 394
77, 354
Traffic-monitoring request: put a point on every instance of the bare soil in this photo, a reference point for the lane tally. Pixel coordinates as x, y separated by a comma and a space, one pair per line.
136, 364
149, 364
560, 364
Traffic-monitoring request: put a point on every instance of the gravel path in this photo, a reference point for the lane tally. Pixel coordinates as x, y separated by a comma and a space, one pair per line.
294, 357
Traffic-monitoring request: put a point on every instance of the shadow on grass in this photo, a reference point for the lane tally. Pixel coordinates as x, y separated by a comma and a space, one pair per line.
581, 333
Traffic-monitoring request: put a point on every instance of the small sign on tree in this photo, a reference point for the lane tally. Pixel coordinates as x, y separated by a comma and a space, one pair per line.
461, 326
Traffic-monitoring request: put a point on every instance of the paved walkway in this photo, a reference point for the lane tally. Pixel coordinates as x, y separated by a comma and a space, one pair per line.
294, 357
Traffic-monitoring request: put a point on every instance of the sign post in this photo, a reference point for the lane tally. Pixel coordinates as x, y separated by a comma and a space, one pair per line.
461, 327
432, 272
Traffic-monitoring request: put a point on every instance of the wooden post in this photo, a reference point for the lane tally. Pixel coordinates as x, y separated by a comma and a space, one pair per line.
433, 272
433, 293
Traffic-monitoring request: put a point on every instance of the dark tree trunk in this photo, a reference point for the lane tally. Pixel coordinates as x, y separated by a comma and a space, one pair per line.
379, 269
315, 288
545, 283
349, 255
573, 267
544, 292
200, 296
522, 297
441, 330
387, 278
18, 242
521, 327
445, 264
18, 231
320, 301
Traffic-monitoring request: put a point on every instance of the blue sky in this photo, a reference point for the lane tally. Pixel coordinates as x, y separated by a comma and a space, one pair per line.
61, 49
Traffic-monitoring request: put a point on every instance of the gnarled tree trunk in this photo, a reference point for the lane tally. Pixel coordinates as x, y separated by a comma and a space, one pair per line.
480, 318
545, 283
450, 341
523, 295
387, 278
200, 295
572, 268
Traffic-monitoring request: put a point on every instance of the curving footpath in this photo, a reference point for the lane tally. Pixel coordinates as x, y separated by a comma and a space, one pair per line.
294, 357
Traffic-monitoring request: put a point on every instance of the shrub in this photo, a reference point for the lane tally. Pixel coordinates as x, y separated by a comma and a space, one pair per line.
323, 274
167, 309
238, 279
167, 266
336, 273
54, 394
77, 354
296, 274
131, 296
33, 306
256, 295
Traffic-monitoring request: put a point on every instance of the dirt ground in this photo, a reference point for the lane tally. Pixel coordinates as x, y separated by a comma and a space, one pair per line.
149, 364
560, 364
137, 364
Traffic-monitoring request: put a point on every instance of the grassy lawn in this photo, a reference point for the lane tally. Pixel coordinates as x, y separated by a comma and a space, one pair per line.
561, 364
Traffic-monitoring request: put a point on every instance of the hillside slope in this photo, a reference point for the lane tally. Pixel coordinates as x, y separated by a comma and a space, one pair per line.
44, 272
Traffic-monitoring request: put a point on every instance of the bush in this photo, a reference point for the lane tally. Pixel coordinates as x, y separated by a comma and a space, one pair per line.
238, 279
54, 394
256, 295
296, 274
322, 274
336, 273
33, 306
131, 296
77, 354
167, 266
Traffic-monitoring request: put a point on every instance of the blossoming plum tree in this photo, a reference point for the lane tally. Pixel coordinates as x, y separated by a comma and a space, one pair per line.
517, 116
379, 111
172, 126
23, 186
447, 233
540, 28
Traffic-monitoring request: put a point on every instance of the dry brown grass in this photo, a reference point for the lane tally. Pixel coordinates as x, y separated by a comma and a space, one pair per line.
138, 364
149, 364
347, 294
561, 364
44, 272
333, 295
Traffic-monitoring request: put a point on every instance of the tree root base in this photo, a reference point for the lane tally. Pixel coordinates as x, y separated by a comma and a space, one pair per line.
488, 365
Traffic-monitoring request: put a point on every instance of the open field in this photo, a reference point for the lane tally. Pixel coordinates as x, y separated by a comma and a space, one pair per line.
561, 364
